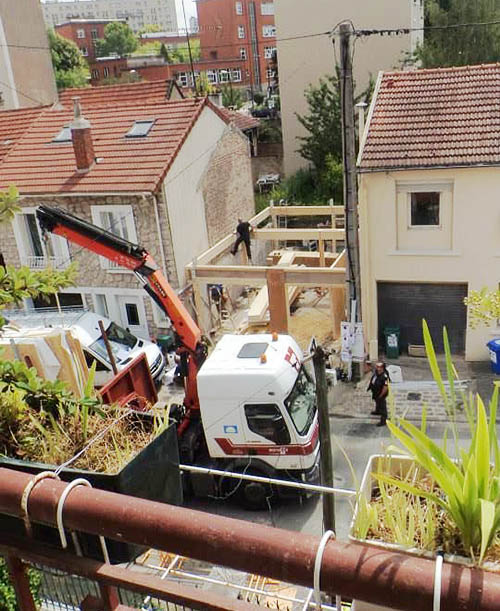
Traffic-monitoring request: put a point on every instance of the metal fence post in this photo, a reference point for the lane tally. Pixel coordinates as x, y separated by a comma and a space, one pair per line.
20, 581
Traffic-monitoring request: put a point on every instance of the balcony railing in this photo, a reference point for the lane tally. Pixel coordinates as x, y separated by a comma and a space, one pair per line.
58, 262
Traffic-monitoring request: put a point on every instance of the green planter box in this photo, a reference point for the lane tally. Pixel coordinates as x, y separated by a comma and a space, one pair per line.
153, 474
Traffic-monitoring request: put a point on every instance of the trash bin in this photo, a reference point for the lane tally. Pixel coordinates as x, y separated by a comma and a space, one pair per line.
392, 342
494, 348
166, 342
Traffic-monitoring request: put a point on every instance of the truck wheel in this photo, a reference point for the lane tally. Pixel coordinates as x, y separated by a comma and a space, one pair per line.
254, 495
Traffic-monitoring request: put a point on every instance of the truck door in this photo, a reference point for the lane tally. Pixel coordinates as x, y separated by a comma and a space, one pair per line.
267, 424
103, 373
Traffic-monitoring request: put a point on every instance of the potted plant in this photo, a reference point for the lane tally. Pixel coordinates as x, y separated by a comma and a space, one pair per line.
422, 500
43, 427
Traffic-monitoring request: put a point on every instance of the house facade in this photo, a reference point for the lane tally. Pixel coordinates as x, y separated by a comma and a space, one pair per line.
172, 176
85, 33
305, 56
429, 176
26, 73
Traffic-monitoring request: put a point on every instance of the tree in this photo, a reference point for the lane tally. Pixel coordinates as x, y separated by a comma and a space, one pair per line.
465, 45
483, 306
164, 53
23, 283
118, 39
232, 97
70, 67
150, 28
323, 122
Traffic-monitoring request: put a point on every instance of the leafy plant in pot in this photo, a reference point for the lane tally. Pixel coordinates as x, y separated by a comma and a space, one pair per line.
424, 500
43, 427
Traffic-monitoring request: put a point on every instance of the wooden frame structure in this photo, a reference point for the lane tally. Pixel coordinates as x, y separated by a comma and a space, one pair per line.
204, 270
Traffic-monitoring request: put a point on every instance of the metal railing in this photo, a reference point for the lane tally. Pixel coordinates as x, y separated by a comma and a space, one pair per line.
36, 263
351, 570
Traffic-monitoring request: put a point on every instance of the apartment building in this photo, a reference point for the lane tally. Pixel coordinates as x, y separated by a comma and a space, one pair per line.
138, 13
304, 56
84, 33
26, 74
242, 32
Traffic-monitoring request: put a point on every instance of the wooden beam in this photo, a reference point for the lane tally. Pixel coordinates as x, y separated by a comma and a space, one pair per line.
340, 261
307, 210
285, 235
302, 257
239, 275
279, 312
226, 242
321, 250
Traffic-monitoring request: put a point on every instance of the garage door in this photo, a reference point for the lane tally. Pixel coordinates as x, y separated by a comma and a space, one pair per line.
405, 304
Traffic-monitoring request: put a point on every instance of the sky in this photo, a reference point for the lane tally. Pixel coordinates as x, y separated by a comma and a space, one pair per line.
190, 6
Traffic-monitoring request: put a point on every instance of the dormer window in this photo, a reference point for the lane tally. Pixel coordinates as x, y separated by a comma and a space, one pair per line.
140, 129
64, 135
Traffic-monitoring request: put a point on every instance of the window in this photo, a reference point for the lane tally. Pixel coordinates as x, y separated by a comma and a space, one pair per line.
101, 305
223, 76
212, 76
84, 51
105, 72
241, 31
182, 78
213, 54
118, 220
301, 402
239, 8
243, 53
80, 33
269, 52
34, 251
95, 74
236, 75
132, 314
267, 8
64, 135
424, 209
270, 74
268, 31
93, 34
140, 129
267, 421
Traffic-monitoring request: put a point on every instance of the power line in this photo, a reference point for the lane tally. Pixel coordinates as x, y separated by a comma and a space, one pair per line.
25, 95
402, 31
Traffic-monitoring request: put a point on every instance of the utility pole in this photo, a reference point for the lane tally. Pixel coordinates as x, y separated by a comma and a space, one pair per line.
349, 164
324, 438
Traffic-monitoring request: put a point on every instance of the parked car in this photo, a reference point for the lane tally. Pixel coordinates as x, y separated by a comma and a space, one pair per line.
84, 326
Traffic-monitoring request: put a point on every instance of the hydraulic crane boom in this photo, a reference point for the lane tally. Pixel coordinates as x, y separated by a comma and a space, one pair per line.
134, 257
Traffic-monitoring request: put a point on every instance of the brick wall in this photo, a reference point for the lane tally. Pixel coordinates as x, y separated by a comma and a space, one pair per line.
227, 185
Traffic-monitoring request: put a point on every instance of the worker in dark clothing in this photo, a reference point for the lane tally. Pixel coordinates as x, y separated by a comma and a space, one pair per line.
379, 386
243, 230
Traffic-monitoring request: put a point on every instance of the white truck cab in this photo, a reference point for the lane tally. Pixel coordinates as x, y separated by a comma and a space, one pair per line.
258, 402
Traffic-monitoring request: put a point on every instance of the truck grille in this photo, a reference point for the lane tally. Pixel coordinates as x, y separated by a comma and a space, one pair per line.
155, 367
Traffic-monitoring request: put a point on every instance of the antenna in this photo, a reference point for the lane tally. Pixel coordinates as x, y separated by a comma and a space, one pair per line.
189, 50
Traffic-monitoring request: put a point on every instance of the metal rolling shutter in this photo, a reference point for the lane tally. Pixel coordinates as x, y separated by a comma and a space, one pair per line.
405, 304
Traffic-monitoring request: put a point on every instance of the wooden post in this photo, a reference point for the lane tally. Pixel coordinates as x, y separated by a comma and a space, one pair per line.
21, 584
111, 356
198, 301
324, 438
321, 249
278, 300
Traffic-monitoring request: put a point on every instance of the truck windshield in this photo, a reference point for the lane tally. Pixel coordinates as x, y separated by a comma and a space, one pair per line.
301, 402
120, 340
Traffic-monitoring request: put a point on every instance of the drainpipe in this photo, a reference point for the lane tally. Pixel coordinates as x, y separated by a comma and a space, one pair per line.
361, 119
160, 237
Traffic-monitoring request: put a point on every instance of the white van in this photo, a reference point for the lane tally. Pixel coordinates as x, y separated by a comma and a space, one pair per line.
85, 327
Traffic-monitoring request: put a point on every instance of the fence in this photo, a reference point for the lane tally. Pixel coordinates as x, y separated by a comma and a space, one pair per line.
350, 570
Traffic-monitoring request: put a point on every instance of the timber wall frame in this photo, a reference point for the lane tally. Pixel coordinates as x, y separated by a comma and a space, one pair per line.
204, 271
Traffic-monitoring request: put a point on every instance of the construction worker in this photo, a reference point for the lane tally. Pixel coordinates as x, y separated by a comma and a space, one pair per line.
243, 230
379, 386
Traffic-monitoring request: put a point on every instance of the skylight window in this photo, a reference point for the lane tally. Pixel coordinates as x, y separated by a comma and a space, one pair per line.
64, 135
140, 129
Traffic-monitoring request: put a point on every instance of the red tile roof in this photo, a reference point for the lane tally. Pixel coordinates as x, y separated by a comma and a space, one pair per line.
13, 124
434, 118
146, 92
36, 165
240, 120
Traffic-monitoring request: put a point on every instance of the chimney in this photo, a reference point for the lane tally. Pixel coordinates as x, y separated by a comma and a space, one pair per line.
82, 139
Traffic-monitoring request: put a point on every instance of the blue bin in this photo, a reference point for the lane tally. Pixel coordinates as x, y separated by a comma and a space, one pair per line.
494, 348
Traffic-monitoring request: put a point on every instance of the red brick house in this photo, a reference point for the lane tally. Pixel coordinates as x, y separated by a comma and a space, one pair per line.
84, 33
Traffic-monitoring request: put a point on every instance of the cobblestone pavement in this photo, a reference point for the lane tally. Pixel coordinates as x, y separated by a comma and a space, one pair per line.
417, 389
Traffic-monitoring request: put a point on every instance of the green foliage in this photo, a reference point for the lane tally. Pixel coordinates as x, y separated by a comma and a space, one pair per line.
8, 600
118, 39
323, 122
232, 97
270, 131
8, 204
468, 487
163, 52
149, 28
148, 48
70, 67
460, 46
180, 55
483, 306
258, 98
